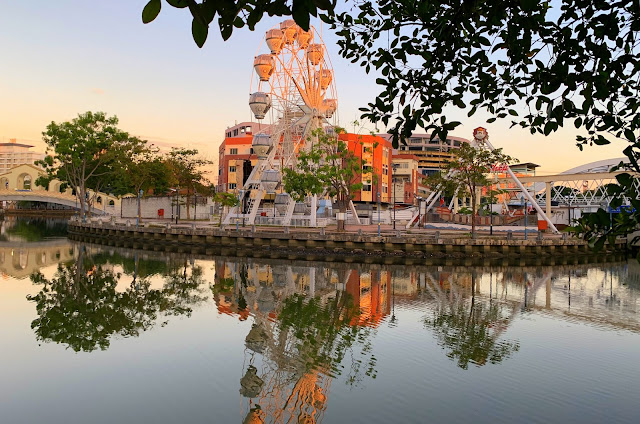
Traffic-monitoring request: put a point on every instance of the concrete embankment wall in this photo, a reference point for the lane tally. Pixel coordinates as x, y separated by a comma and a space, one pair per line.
294, 244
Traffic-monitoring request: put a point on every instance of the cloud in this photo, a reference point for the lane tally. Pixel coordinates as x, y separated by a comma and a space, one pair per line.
98, 91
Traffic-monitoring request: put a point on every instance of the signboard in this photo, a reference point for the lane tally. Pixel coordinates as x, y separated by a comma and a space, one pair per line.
627, 209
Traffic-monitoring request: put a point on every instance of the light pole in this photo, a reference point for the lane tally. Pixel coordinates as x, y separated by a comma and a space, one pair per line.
238, 211
378, 211
177, 205
394, 166
419, 199
138, 214
525, 218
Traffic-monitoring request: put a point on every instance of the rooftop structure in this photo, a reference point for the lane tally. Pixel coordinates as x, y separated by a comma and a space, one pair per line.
13, 154
433, 154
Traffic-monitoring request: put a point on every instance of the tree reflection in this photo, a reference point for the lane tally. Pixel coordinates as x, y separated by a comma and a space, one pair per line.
469, 329
305, 334
83, 306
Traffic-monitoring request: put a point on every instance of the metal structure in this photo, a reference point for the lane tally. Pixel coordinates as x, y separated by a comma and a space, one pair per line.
481, 141
294, 90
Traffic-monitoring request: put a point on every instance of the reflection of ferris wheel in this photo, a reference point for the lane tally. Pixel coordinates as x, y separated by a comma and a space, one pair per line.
295, 92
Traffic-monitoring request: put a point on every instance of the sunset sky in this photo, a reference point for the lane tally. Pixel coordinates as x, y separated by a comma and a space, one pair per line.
61, 58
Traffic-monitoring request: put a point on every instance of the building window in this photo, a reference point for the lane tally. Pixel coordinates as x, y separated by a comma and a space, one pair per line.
232, 169
385, 188
367, 169
232, 186
366, 186
385, 169
27, 182
233, 151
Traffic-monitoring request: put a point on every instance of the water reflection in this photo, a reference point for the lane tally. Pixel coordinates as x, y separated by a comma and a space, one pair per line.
315, 324
27, 229
304, 331
307, 317
83, 307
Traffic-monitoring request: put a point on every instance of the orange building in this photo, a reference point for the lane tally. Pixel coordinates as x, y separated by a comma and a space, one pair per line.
375, 153
236, 161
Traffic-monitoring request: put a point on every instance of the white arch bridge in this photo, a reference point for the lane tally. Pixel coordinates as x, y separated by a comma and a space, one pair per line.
106, 207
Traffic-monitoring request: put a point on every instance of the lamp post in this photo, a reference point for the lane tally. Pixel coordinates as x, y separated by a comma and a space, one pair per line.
177, 205
378, 211
394, 166
419, 199
238, 211
138, 214
525, 218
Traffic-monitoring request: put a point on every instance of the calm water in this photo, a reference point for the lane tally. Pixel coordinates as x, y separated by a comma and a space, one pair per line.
101, 335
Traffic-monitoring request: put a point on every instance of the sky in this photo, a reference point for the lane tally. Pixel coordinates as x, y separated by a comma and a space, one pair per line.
61, 58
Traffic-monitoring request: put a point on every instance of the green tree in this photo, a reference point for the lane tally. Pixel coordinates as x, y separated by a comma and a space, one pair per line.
187, 172
466, 173
226, 200
86, 153
237, 14
329, 168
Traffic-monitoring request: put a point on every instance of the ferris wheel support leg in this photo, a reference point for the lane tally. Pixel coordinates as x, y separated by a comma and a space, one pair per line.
354, 212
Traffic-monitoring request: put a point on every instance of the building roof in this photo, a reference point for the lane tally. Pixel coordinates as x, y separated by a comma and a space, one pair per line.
526, 164
13, 169
405, 156
15, 144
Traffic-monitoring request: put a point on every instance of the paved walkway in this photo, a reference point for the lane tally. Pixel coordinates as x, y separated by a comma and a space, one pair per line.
444, 229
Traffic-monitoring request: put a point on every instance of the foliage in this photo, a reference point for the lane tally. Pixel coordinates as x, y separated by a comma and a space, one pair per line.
600, 227
467, 172
144, 170
567, 59
226, 200
237, 14
187, 172
329, 167
86, 153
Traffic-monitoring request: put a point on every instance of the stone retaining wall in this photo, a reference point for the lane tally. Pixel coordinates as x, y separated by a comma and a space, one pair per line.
303, 244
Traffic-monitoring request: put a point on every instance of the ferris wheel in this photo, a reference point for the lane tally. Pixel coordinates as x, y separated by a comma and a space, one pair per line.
293, 89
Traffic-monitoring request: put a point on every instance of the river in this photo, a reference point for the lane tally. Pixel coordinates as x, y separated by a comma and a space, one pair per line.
92, 334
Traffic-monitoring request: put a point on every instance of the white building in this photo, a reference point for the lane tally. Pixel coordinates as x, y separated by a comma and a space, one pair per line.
13, 154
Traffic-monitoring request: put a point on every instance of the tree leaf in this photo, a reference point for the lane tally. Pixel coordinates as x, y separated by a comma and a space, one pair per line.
150, 11
199, 32
180, 4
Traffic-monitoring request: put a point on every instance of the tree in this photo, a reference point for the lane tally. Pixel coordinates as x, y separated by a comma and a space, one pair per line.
467, 173
226, 200
330, 168
86, 153
237, 14
187, 173
543, 65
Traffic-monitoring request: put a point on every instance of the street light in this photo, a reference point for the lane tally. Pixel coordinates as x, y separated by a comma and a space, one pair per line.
419, 199
138, 214
378, 211
177, 205
394, 166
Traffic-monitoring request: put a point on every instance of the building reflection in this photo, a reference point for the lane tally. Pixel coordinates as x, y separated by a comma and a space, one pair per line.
302, 315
